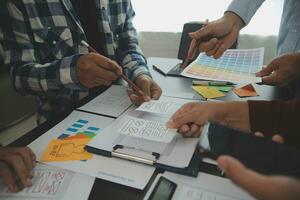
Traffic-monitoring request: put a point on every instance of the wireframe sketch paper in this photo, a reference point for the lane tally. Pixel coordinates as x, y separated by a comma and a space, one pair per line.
48, 182
146, 129
164, 107
113, 102
52, 183
111, 169
235, 65
139, 131
157, 106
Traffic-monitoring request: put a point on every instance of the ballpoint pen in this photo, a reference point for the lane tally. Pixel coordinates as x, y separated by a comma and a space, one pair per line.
213, 83
191, 49
134, 86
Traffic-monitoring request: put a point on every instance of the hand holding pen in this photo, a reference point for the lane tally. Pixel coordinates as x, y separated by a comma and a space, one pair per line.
105, 71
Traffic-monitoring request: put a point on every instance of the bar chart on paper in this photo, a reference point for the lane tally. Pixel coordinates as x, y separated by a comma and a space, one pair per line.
80, 128
237, 66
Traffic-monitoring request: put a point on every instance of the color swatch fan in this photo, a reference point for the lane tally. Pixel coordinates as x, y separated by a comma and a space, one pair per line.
236, 65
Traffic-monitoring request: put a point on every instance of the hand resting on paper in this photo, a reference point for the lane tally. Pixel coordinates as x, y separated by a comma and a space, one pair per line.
16, 167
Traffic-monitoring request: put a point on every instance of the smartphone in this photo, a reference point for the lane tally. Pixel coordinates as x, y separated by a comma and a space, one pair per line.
164, 189
260, 154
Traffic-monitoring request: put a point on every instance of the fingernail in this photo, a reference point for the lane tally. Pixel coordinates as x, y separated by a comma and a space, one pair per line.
31, 173
28, 182
169, 124
223, 165
13, 188
191, 34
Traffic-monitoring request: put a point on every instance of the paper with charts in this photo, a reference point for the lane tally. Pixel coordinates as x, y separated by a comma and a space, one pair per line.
48, 183
84, 126
236, 65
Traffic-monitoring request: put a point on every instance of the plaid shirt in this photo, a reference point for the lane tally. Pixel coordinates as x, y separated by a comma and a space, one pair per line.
41, 43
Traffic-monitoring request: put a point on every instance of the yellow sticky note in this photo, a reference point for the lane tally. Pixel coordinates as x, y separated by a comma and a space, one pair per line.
66, 150
208, 92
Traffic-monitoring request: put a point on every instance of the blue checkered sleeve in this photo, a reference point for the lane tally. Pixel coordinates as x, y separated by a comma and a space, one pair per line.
30, 75
129, 53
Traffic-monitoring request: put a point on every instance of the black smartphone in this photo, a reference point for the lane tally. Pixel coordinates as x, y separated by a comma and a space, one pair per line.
164, 189
260, 154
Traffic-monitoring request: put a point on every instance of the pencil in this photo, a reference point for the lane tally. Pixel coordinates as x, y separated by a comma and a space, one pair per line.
134, 86
191, 50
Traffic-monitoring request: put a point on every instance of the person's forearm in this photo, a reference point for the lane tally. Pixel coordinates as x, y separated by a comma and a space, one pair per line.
235, 19
232, 114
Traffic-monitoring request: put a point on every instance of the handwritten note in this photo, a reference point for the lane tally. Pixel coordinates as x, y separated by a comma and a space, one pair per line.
66, 150
156, 106
208, 92
246, 91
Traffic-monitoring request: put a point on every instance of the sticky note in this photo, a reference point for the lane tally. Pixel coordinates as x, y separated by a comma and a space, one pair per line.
89, 134
72, 130
93, 128
66, 150
246, 91
222, 88
82, 121
63, 136
77, 136
78, 125
208, 91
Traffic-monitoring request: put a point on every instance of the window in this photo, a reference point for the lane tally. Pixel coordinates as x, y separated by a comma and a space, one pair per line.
170, 15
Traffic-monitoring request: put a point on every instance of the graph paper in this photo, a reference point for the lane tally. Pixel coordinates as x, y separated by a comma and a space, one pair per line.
237, 66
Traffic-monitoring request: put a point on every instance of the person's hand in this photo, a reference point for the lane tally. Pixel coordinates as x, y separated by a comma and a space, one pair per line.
190, 118
149, 87
94, 70
258, 185
16, 167
275, 138
281, 70
217, 36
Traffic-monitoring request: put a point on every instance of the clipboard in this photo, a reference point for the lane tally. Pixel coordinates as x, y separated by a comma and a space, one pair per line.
111, 143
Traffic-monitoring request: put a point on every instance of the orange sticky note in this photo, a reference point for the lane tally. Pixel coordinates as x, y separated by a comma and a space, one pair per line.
77, 136
66, 150
208, 92
246, 91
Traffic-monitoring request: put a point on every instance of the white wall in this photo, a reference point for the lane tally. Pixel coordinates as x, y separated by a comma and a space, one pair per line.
170, 15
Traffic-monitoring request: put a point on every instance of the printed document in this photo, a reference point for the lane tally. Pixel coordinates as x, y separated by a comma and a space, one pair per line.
113, 102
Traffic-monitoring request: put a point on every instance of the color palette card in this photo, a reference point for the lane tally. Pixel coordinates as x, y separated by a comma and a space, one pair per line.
235, 65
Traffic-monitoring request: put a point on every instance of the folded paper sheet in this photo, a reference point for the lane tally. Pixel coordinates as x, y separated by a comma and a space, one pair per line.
246, 91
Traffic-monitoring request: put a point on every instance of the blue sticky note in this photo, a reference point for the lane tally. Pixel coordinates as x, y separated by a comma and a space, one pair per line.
72, 130
82, 121
93, 128
63, 136
78, 125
